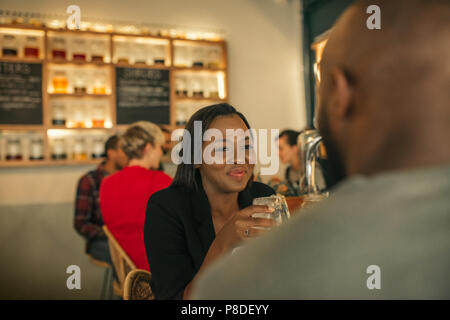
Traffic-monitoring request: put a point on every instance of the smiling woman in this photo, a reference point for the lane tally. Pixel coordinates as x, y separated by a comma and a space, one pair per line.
207, 211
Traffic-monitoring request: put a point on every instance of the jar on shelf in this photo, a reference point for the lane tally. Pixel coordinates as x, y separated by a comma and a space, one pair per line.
181, 115
98, 115
99, 82
79, 150
159, 54
59, 149
31, 49
140, 53
212, 87
198, 56
122, 52
14, 149
58, 114
78, 115
59, 48
98, 148
180, 87
9, 46
79, 81
79, 49
36, 149
59, 81
98, 50
197, 87
214, 57
182, 56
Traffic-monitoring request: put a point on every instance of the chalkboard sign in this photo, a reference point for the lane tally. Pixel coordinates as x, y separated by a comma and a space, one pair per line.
142, 94
20, 93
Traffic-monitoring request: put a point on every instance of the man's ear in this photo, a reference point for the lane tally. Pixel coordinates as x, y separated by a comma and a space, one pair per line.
341, 95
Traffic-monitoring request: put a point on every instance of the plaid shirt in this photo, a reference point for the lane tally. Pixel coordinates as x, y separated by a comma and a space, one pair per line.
88, 218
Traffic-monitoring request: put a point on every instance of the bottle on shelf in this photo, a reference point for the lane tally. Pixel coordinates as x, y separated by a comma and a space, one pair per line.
59, 48
60, 82
79, 150
140, 53
212, 87
98, 50
99, 82
181, 56
214, 57
181, 115
79, 81
79, 49
197, 88
14, 149
98, 115
159, 54
36, 149
122, 52
180, 87
9, 46
198, 56
78, 115
31, 49
58, 114
59, 149
98, 148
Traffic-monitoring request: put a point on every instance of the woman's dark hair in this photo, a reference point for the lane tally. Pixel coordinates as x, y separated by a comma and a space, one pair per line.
186, 172
291, 136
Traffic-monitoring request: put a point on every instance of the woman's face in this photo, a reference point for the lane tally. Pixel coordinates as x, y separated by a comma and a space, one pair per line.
228, 176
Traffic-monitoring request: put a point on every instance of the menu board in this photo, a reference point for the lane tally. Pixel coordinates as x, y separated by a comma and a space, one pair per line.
20, 93
142, 94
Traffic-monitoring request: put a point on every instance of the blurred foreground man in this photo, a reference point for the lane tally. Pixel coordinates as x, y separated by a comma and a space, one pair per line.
384, 114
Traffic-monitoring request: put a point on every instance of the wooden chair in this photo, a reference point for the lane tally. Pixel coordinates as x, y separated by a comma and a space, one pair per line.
107, 278
294, 203
121, 261
137, 286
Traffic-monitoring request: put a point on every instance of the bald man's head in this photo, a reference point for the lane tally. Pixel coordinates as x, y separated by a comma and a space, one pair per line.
384, 98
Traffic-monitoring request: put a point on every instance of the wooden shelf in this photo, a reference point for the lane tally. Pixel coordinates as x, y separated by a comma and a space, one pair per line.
42, 163
68, 95
49, 63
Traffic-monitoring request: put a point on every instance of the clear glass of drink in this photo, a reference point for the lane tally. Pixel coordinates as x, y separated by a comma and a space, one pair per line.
278, 202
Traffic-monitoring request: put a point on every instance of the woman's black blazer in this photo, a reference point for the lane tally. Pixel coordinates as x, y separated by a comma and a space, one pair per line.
178, 232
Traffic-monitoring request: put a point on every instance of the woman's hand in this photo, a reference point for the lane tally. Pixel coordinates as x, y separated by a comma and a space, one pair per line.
241, 226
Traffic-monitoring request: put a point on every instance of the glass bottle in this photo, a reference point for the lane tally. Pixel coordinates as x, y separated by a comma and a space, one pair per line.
214, 57
79, 81
31, 49
59, 149
58, 48
182, 56
180, 86
140, 53
98, 115
78, 115
59, 81
59, 114
36, 149
79, 49
121, 52
181, 116
99, 82
198, 56
159, 54
9, 46
197, 88
98, 148
14, 149
79, 150
98, 50
212, 87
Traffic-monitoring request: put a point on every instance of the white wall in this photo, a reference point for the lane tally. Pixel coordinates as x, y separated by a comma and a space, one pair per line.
265, 70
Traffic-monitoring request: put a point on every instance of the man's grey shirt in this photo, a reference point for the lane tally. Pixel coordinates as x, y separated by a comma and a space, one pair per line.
398, 221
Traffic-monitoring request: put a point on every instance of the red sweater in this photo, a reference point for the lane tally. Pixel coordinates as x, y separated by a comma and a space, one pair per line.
123, 201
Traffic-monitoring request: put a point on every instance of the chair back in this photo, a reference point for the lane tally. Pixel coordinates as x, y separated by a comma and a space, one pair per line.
137, 286
121, 262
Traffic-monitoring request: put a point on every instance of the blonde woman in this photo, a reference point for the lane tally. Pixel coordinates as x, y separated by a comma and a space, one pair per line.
124, 195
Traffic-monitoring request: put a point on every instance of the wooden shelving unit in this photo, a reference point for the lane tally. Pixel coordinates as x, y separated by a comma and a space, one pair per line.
48, 130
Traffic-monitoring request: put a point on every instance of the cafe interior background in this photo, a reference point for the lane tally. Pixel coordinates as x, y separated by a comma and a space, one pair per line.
264, 66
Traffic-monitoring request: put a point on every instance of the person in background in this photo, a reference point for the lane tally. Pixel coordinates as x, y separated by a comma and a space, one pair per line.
207, 211
384, 231
293, 183
124, 195
88, 220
